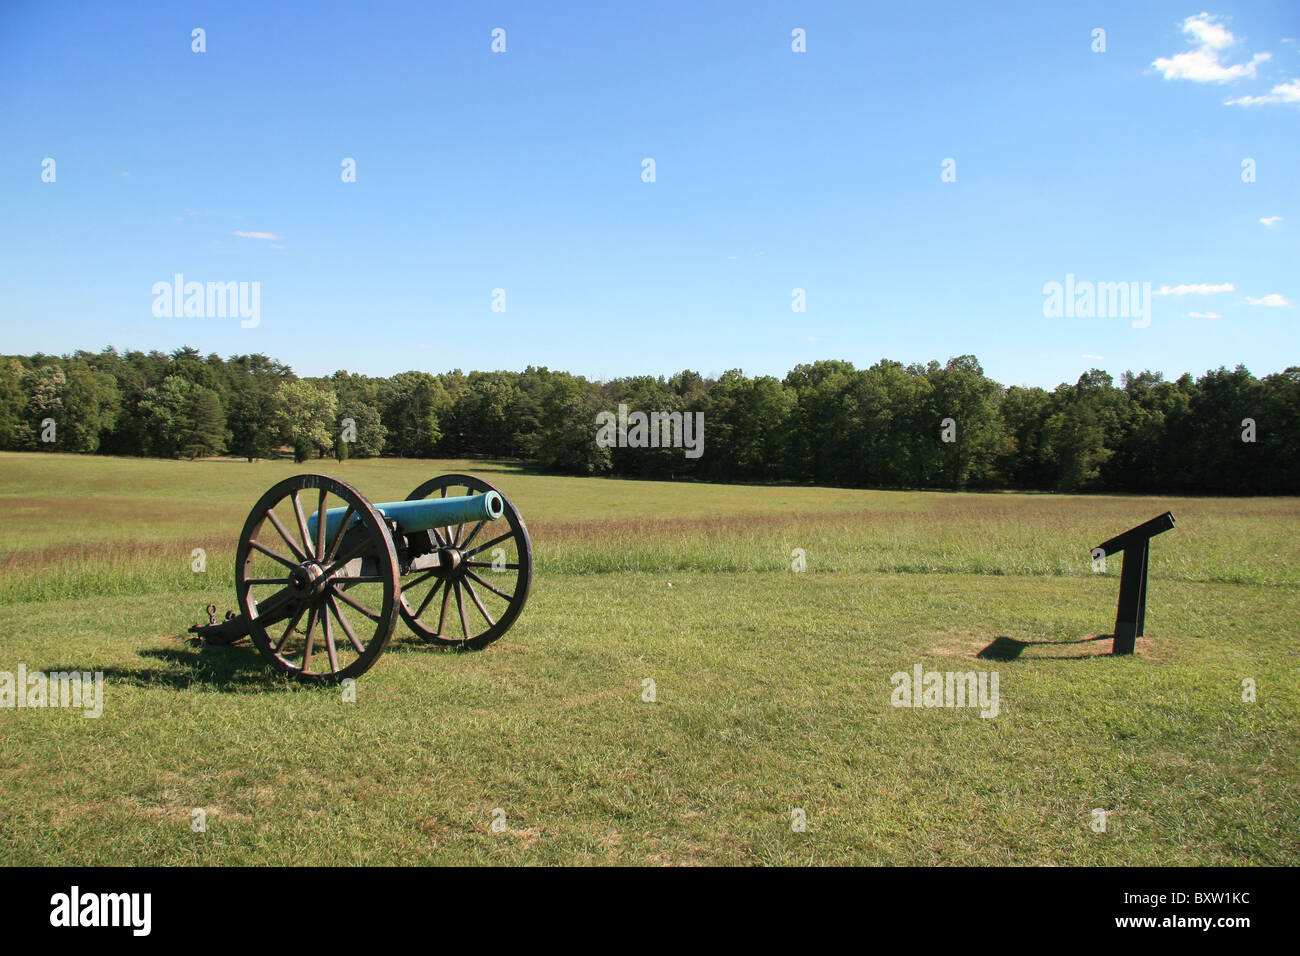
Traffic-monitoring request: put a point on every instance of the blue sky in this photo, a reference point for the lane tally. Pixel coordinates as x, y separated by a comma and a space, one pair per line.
774, 170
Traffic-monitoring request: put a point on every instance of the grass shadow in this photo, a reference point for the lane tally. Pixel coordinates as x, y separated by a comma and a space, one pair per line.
411, 644
1010, 649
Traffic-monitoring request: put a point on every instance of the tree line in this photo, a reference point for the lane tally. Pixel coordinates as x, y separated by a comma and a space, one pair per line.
889, 425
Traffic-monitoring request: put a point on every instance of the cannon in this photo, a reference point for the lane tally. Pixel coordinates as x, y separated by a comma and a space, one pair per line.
322, 574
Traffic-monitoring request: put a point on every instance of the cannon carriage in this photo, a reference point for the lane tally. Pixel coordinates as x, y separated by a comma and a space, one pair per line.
322, 574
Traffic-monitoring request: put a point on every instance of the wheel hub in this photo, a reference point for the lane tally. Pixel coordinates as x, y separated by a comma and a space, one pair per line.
307, 577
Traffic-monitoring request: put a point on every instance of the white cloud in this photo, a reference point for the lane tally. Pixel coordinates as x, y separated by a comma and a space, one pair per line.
1089, 355
1271, 220
1288, 92
256, 235
1204, 315
1272, 300
1208, 31
1195, 289
1204, 64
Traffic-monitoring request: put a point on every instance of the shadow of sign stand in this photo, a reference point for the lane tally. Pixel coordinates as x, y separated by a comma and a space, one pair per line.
1130, 619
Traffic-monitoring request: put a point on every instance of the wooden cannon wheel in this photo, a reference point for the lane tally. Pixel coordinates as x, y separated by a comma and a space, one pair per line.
318, 610
487, 571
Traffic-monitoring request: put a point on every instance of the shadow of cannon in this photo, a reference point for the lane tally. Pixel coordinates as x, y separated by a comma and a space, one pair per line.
226, 669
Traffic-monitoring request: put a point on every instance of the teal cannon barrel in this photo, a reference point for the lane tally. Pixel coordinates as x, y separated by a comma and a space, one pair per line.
423, 514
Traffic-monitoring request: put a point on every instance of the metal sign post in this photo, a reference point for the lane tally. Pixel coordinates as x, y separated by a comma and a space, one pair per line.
1130, 618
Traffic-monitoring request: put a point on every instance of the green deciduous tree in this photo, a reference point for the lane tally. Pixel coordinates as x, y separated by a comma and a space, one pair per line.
367, 431
305, 414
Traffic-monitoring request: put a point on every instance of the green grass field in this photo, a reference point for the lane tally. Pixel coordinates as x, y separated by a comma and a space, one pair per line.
773, 688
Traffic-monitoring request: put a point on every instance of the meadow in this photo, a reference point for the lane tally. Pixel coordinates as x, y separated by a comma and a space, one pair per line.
772, 688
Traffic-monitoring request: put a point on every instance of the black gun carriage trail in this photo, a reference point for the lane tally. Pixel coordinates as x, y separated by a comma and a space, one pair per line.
322, 574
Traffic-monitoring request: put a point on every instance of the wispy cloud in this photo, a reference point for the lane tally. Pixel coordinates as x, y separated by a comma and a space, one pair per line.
1089, 355
1195, 289
1288, 92
256, 235
1204, 315
1271, 220
1204, 64
1272, 300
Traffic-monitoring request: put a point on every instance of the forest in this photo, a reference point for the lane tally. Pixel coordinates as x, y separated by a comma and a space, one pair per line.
888, 426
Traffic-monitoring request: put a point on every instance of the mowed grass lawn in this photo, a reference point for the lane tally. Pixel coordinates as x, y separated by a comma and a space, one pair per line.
772, 687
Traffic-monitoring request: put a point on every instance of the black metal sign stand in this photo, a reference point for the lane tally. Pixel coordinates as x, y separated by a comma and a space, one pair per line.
1130, 618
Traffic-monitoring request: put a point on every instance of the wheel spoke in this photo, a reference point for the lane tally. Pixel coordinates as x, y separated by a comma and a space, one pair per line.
358, 579
509, 566
491, 587
254, 543
302, 524
460, 606
442, 617
267, 581
429, 597
338, 535
343, 622
330, 651
307, 647
473, 534
421, 579
497, 540
275, 520
320, 524
478, 604
357, 605
460, 527
289, 630
356, 552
